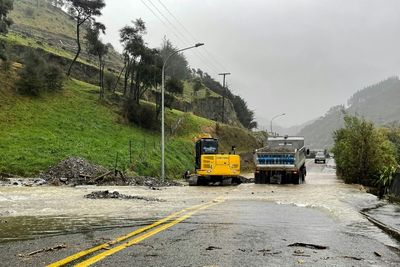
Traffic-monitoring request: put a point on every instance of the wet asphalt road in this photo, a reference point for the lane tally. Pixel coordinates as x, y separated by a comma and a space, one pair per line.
252, 225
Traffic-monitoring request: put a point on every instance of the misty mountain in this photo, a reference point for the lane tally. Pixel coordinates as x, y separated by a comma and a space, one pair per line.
265, 124
379, 103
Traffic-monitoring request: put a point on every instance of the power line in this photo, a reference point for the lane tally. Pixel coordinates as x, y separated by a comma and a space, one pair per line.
212, 57
178, 34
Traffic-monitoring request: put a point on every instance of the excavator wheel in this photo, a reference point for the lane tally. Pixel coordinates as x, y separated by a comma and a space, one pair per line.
193, 180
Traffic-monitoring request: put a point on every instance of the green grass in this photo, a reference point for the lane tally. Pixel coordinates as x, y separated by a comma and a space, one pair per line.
189, 95
38, 132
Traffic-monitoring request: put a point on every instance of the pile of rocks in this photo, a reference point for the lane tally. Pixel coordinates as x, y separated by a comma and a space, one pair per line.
78, 171
75, 171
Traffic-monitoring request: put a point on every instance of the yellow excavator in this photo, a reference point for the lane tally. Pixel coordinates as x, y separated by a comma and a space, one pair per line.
211, 167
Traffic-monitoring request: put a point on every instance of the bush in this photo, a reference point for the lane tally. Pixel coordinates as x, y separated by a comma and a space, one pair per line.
5, 65
362, 152
174, 86
109, 81
141, 115
29, 12
37, 76
54, 77
31, 80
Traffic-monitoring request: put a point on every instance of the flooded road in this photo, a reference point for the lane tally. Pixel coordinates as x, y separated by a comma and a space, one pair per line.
250, 219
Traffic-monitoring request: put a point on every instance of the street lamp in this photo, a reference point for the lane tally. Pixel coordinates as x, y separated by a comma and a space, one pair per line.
162, 107
277, 116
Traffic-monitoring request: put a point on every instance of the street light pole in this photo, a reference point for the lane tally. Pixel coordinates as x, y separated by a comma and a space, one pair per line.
223, 96
162, 107
277, 116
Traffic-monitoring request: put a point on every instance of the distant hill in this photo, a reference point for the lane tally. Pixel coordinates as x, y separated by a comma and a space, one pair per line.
265, 123
379, 103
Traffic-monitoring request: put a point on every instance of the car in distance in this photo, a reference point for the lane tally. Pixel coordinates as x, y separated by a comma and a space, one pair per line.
320, 158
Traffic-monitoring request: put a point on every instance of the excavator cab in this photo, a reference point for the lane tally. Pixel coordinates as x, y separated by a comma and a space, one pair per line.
205, 146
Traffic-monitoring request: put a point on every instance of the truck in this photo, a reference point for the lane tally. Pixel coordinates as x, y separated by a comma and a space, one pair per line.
282, 161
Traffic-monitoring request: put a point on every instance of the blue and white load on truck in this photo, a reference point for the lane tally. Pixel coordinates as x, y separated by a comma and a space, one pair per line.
282, 161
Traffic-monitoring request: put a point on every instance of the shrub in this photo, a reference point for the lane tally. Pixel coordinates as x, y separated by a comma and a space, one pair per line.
109, 81
174, 86
54, 77
362, 152
37, 76
29, 12
31, 80
5, 65
141, 115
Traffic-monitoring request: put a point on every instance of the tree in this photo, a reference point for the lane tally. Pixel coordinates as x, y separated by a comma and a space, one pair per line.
97, 48
245, 116
174, 86
197, 85
148, 72
177, 65
131, 38
83, 11
362, 152
5, 22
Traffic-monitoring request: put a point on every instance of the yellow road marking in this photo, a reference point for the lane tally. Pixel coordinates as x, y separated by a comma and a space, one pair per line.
138, 239
122, 238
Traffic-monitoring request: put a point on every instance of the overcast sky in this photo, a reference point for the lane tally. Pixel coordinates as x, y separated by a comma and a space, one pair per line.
295, 56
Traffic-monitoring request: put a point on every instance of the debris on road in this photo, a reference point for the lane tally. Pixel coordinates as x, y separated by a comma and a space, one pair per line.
212, 248
78, 171
22, 182
116, 195
353, 258
72, 170
305, 245
58, 247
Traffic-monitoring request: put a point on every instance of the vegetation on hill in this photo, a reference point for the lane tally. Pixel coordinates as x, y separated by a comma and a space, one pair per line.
46, 118
379, 103
39, 132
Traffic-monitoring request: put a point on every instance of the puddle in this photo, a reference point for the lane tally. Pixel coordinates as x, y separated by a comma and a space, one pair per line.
30, 227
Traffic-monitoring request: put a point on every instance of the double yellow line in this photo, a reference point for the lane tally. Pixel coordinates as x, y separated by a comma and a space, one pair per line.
113, 247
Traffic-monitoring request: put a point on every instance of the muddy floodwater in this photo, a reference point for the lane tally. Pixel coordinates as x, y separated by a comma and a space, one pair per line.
31, 212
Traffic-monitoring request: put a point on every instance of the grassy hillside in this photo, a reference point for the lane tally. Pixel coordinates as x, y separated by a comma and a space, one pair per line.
38, 132
52, 30
43, 18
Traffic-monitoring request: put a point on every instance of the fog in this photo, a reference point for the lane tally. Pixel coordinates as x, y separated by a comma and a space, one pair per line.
298, 57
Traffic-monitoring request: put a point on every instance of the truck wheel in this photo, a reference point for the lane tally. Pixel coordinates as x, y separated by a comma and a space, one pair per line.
296, 179
263, 176
256, 177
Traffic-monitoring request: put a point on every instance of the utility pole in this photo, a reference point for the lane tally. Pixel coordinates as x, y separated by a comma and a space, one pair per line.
223, 96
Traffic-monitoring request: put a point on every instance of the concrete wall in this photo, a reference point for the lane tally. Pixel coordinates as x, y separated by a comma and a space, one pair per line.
395, 190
